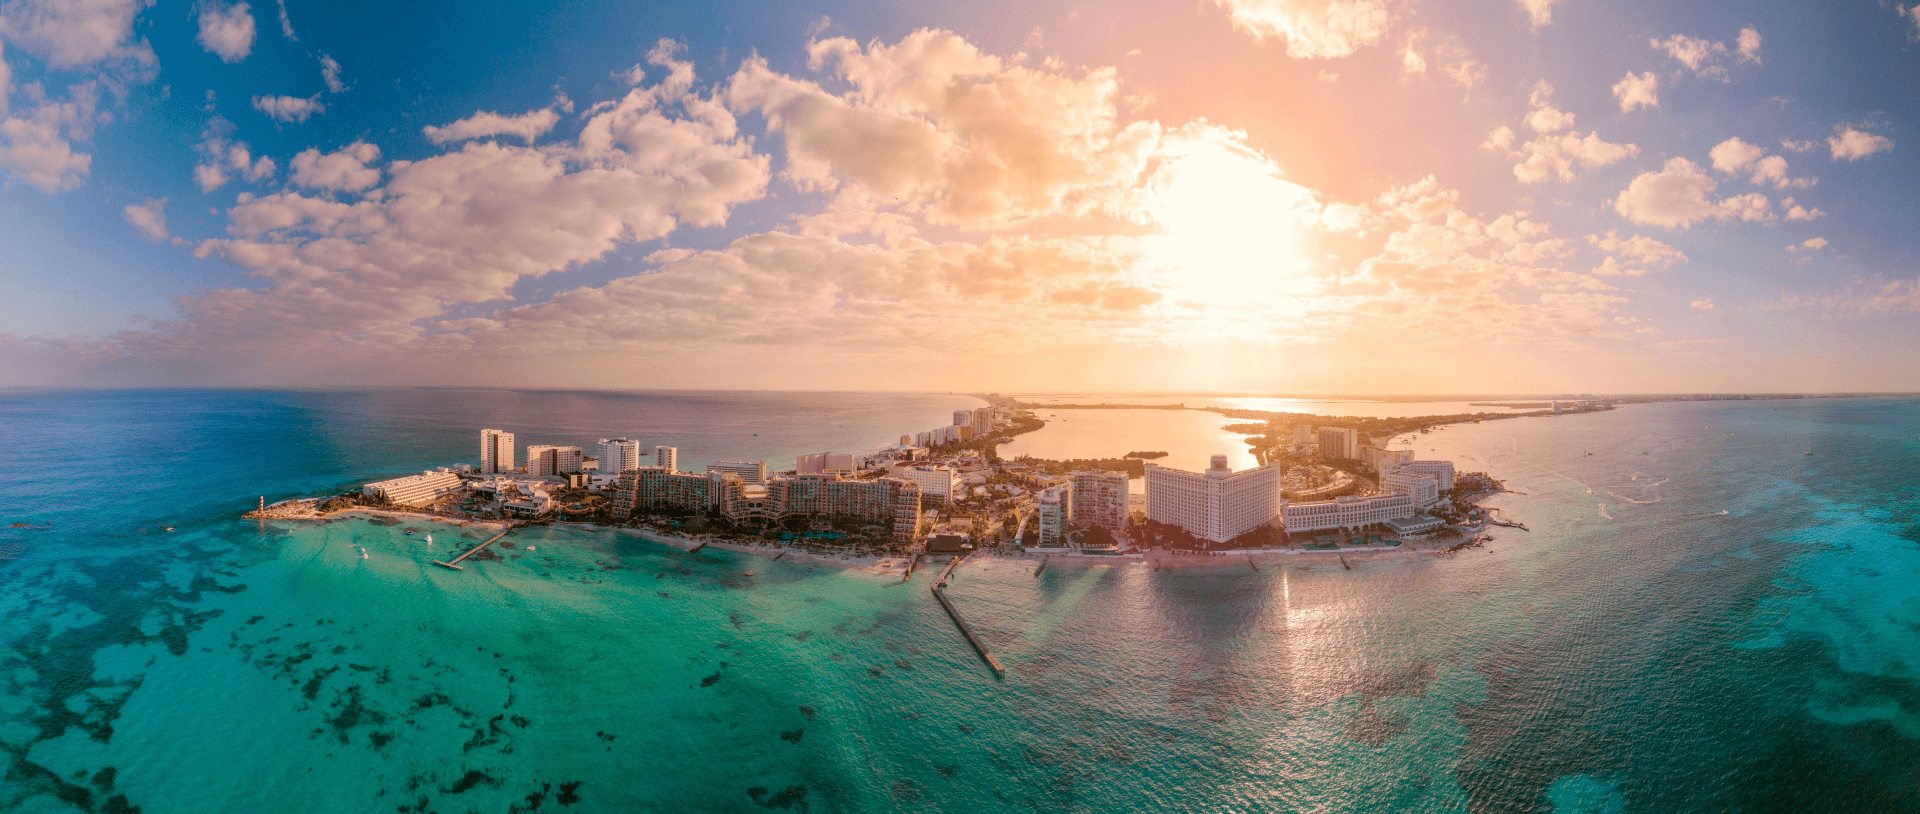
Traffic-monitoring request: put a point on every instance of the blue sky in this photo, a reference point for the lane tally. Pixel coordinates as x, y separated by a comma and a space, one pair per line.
1279, 195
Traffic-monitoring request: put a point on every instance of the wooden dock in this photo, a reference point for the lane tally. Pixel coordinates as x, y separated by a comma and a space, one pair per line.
455, 564
942, 581
696, 549
1043, 565
1251, 565
915, 563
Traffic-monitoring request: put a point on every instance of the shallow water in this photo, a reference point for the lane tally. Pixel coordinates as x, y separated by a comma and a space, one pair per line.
1671, 658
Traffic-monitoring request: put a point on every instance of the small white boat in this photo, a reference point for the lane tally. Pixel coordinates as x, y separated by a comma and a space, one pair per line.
363, 552
429, 538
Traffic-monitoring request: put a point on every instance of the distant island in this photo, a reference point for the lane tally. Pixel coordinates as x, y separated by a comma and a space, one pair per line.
1147, 455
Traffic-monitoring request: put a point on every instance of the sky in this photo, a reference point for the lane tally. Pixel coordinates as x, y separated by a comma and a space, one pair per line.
1285, 196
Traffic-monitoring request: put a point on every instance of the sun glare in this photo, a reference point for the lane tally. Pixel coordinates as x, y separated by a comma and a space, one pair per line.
1229, 227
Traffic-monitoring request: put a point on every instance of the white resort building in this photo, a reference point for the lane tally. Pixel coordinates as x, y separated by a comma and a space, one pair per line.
667, 458
1217, 505
1423, 488
415, 490
1346, 512
749, 471
496, 452
936, 482
618, 455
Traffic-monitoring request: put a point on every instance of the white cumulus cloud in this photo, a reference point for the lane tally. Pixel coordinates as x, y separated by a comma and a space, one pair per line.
1748, 45
1312, 28
1637, 90
288, 108
148, 218
344, 169
73, 33
1850, 143
526, 126
1679, 195
1540, 12
225, 31
330, 73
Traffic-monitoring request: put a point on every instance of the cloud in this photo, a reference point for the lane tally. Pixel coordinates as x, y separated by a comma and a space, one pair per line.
952, 134
526, 126
1812, 244
225, 31
1849, 143
286, 23
1410, 59
74, 34
1798, 212
1693, 52
1546, 118
36, 146
1499, 140
343, 170
1678, 195
1878, 297
147, 218
463, 226
971, 203
1734, 155
1637, 90
1796, 146
288, 108
1704, 305
1540, 12
1555, 156
330, 73
1313, 29
222, 158
1748, 44
1704, 57
1640, 252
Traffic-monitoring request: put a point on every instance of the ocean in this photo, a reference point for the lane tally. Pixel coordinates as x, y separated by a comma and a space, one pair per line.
1702, 618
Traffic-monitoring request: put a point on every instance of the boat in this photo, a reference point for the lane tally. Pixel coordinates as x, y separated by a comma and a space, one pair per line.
429, 538
1809, 450
409, 534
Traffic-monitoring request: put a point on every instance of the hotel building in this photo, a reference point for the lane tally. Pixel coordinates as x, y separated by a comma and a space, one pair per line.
618, 455
1423, 488
1100, 499
544, 460
1442, 471
887, 500
821, 463
496, 452
415, 490
1339, 442
1217, 505
751, 472
935, 482
667, 457
1385, 460
1345, 513
1054, 510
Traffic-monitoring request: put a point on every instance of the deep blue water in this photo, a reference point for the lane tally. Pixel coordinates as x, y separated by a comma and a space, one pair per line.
1703, 618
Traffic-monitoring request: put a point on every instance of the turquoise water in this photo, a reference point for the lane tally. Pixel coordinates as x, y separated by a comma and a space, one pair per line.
1639, 650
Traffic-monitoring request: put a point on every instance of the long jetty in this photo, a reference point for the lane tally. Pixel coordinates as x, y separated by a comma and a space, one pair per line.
978, 646
455, 564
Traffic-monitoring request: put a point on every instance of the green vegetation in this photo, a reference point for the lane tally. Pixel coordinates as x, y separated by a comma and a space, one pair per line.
1147, 455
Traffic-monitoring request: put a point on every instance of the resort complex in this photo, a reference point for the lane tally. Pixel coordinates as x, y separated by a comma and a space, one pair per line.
1314, 484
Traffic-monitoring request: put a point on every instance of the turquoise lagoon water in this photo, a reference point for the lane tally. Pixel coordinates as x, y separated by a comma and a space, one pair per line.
1703, 618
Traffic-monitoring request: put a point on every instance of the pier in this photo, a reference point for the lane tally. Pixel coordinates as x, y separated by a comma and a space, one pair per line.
1251, 564
910, 566
978, 646
1043, 566
455, 564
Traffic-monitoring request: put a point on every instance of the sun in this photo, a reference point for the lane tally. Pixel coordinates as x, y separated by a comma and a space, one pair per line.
1229, 225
